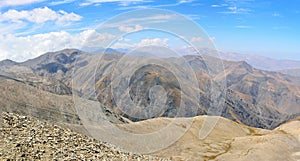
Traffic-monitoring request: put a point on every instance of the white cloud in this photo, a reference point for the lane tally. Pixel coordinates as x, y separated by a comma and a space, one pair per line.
61, 2
120, 2
39, 15
237, 10
7, 28
5, 3
180, 2
153, 19
215, 5
219, 5
124, 39
155, 41
23, 48
243, 27
129, 29
185, 1
237, 6
195, 17
143, 43
196, 39
277, 15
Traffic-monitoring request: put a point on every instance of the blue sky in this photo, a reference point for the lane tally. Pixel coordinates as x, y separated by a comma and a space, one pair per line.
261, 27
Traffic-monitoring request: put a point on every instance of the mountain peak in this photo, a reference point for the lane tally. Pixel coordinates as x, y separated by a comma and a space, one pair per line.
7, 62
244, 64
67, 52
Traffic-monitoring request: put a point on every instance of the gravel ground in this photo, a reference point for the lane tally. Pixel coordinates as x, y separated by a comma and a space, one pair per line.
24, 138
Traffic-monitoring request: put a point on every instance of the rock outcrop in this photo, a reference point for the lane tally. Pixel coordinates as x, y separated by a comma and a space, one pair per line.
24, 138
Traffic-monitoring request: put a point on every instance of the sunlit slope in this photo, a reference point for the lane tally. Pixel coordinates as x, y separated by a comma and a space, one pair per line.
227, 141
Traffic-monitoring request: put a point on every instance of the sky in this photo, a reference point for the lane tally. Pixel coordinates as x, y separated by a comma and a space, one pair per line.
270, 28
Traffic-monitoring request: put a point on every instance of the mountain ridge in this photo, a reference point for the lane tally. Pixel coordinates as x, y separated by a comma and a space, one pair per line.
248, 88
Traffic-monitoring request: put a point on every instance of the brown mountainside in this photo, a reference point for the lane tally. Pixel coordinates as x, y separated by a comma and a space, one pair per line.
253, 97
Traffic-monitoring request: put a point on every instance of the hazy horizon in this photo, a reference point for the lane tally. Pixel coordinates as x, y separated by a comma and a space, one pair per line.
121, 50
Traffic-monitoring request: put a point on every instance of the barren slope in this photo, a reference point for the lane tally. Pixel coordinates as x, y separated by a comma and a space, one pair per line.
227, 141
25, 138
253, 97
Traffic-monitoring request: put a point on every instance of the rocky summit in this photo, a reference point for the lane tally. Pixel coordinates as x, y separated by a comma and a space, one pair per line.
24, 138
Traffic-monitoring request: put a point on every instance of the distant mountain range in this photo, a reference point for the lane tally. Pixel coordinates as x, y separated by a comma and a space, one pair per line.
262, 62
292, 72
256, 61
253, 97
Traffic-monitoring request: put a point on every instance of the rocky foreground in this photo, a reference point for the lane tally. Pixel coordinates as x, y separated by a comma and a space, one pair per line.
24, 138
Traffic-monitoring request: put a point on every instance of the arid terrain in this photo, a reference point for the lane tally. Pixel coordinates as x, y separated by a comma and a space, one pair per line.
24, 138
259, 117
229, 141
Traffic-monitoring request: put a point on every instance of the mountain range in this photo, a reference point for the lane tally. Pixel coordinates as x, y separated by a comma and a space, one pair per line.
252, 96
257, 110
257, 61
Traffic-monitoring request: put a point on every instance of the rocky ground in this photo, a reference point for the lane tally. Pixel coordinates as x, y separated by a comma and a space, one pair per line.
24, 138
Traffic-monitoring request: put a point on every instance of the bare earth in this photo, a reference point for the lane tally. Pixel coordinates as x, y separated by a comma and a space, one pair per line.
228, 141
